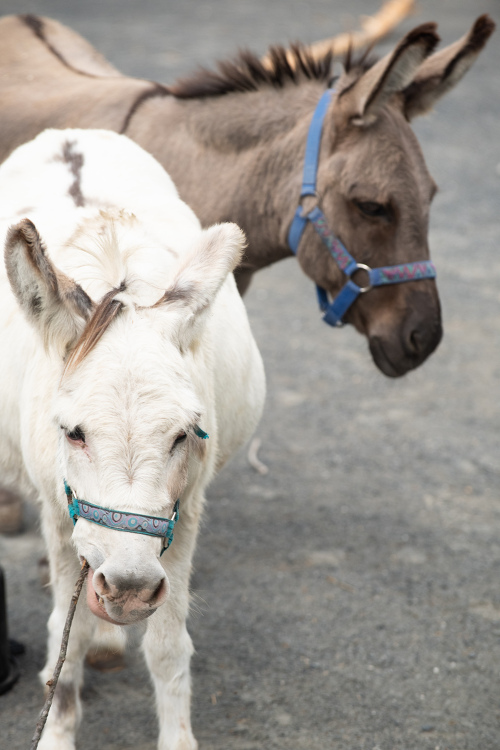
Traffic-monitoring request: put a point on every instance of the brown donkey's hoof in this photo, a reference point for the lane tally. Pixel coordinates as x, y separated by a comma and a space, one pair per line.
11, 513
105, 660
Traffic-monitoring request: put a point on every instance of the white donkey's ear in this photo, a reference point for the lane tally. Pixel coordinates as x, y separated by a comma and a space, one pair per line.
361, 101
443, 70
203, 271
53, 303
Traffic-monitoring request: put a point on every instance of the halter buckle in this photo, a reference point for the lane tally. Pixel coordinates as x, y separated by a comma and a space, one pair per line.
175, 512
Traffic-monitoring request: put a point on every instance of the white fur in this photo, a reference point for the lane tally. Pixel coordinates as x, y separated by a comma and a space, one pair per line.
155, 373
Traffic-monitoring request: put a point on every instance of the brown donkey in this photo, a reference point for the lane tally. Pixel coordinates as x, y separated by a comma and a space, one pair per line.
234, 141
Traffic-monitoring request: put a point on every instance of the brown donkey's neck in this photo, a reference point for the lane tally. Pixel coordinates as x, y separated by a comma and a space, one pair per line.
236, 157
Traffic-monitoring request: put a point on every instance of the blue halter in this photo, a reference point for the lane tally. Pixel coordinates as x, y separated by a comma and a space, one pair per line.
335, 311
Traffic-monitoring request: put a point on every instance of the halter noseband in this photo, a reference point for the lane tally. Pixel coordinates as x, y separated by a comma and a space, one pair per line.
134, 523
335, 310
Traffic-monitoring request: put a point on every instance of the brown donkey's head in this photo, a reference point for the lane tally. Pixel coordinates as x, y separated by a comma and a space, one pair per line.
375, 190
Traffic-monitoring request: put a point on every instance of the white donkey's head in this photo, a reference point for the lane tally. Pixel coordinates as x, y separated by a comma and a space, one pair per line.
134, 382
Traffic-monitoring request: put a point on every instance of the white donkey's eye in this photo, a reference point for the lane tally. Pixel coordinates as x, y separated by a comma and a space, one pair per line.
76, 436
179, 439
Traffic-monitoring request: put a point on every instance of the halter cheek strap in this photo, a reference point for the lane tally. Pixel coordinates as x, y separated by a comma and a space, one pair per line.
335, 310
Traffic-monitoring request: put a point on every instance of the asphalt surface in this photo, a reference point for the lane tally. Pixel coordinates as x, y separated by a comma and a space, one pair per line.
350, 599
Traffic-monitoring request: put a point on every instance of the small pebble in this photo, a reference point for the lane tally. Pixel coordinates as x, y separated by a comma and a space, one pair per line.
427, 728
283, 719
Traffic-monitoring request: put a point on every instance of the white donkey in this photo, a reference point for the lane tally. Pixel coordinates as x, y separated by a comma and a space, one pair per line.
123, 341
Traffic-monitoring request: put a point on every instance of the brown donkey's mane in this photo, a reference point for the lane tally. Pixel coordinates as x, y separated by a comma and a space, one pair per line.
247, 72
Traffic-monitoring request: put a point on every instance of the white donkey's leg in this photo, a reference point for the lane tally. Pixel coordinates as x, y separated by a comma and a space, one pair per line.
65, 714
168, 650
168, 647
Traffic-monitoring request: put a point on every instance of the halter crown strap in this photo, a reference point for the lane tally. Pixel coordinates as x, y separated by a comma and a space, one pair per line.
310, 171
134, 523
313, 144
335, 310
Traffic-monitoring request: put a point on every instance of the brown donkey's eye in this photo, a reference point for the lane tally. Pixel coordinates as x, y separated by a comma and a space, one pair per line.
76, 436
179, 439
370, 208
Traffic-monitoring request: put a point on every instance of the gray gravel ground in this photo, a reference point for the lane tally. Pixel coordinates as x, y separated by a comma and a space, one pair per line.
349, 599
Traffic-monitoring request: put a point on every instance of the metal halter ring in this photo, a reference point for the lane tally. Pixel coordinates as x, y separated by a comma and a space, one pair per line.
363, 267
311, 194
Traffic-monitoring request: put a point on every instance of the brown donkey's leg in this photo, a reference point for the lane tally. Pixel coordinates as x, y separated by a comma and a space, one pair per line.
11, 512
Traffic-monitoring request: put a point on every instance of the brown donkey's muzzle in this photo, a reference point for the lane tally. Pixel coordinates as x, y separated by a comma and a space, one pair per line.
398, 348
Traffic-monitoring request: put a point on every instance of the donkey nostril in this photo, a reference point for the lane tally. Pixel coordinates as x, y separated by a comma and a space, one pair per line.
146, 592
100, 584
159, 593
415, 342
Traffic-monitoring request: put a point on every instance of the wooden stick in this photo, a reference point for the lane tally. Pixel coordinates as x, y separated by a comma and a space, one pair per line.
52, 683
373, 28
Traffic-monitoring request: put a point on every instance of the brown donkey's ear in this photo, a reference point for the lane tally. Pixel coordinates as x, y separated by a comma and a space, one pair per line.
53, 303
443, 70
361, 101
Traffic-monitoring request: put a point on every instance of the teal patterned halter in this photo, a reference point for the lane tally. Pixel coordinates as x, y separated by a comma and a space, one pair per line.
135, 523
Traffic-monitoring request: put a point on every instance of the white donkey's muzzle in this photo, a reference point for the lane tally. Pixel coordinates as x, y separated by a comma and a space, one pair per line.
124, 596
126, 580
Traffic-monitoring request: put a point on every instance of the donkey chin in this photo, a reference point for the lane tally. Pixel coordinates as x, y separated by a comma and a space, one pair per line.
126, 582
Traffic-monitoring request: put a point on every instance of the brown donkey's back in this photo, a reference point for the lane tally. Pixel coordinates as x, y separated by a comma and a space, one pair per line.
52, 77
